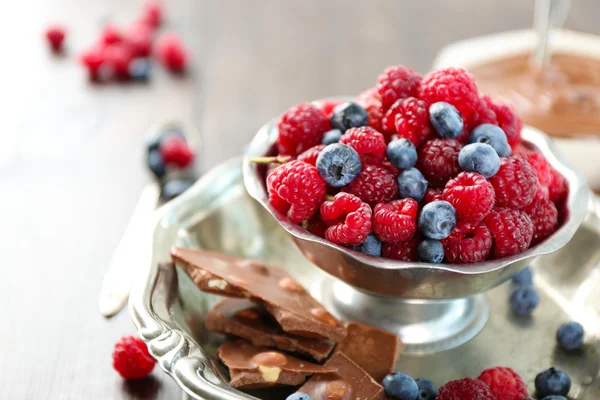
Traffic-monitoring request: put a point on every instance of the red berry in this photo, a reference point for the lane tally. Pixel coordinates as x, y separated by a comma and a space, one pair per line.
409, 118
540, 165
310, 156
401, 251
515, 183
153, 14
370, 100
471, 195
328, 105
317, 226
433, 195
453, 85
117, 58
349, 219
468, 245
512, 231
544, 216
139, 38
438, 159
375, 184
55, 35
395, 221
504, 383
92, 59
397, 83
465, 389
110, 35
131, 358
300, 128
557, 189
296, 189
175, 150
368, 143
171, 53
507, 119
482, 114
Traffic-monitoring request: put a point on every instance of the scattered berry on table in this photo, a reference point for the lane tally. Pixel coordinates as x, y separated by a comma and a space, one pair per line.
375, 184
433, 195
298, 396
468, 245
117, 58
480, 158
437, 219
400, 386
156, 164
111, 35
523, 301
371, 246
397, 82
370, 100
451, 85
139, 38
300, 128
507, 119
570, 336
402, 251
492, 135
131, 358
438, 160
515, 183
401, 153
395, 221
310, 156
412, 184
175, 187
427, 390
175, 150
544, 216
153, 14
139, 69
504, 383
332, 136
524, 277
409, 118
471, 195
92, 59
348, 115
465, 389
328, 105
430, 251
445, 119
512, 231
552, 382
369, 144
55, 35
171, 53
348, 218
338, 164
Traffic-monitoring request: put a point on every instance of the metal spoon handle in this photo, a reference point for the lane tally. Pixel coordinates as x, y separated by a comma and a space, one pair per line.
549, 15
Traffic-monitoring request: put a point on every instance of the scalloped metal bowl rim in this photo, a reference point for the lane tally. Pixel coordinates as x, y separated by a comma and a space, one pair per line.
577, 202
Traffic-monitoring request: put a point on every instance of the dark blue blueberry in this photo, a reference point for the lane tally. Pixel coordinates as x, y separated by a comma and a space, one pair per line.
371, 246
332, 136
175, 187
411, 183
437, 219
402, 153
430, 251
524, 300
298, 396
427, 390
348, 115
446, 119
338, 164
552, 382
524, 277
156, 163
140, 68
492, 135
554, 398
570, 336
400, 386
480, 158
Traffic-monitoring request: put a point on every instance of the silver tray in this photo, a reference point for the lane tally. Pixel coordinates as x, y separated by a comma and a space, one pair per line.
217, 214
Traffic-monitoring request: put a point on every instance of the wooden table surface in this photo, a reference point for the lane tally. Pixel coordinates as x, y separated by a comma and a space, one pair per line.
71, 162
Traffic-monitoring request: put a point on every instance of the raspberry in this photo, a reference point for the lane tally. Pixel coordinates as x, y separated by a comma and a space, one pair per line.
465, 389
171, 53
139, 37
175, 150
515, 183
397, 83
310, 155
131, 358
504, 383
401, 251
433, 195
410, 119
153, 14
349, 219
328, 105
507, 119
300, 128
296, 189
395, 221
368, 143
117, 57
544, 216
316, 226
55, 35
375, 184
540, 165
453, 85
438, 159
512, 231
111, 35
370, 100
468, 246
92, 59
482, 114
471, 195
557, 188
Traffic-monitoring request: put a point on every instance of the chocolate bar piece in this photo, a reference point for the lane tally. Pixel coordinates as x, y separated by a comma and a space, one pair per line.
254, 367
243, 318
350, 382
372, 349
273, 288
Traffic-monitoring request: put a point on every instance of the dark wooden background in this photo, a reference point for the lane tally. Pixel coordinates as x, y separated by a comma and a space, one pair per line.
70, 156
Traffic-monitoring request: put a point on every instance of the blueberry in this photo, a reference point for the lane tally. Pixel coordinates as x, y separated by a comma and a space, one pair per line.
298, 396
552, 382
430, 251
175, 187
427, 390
524, 277
400, 386
402, 153
523, 301
480, 158
411, 183
371, 246
338, 164
437, 219
332, 136
446, 119
554, 398
348, 115
139, 69
156, 163
570, 336
492, 135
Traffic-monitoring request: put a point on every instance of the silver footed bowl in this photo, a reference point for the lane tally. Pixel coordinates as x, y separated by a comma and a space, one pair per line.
413, 280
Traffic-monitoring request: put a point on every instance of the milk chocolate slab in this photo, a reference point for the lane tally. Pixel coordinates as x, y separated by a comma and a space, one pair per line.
372, 349
253, 367
273, 288
350, 382
243, 318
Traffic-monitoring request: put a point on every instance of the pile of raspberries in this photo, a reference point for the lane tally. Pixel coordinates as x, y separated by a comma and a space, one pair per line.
417, 168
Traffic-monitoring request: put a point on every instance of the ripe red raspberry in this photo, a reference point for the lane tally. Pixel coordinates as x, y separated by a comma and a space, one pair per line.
465, 389
397, 83
368, 143
515, 183
375, 184
409, 118
349, 219
471, 195
401, 251
92, 59
139, 38
55, 35
131, 358
512, 231
438, 159
433, 195
171, 53
300, 128
557, 189
453, 85
507, 119
310, 155
328, 105
175, 150
111, 35
395, 221
153, 14
117, 58
504, 383
541, 193
467, 245
370, 100
544, 216
296, 189
482, 114
317, 226
540, 165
